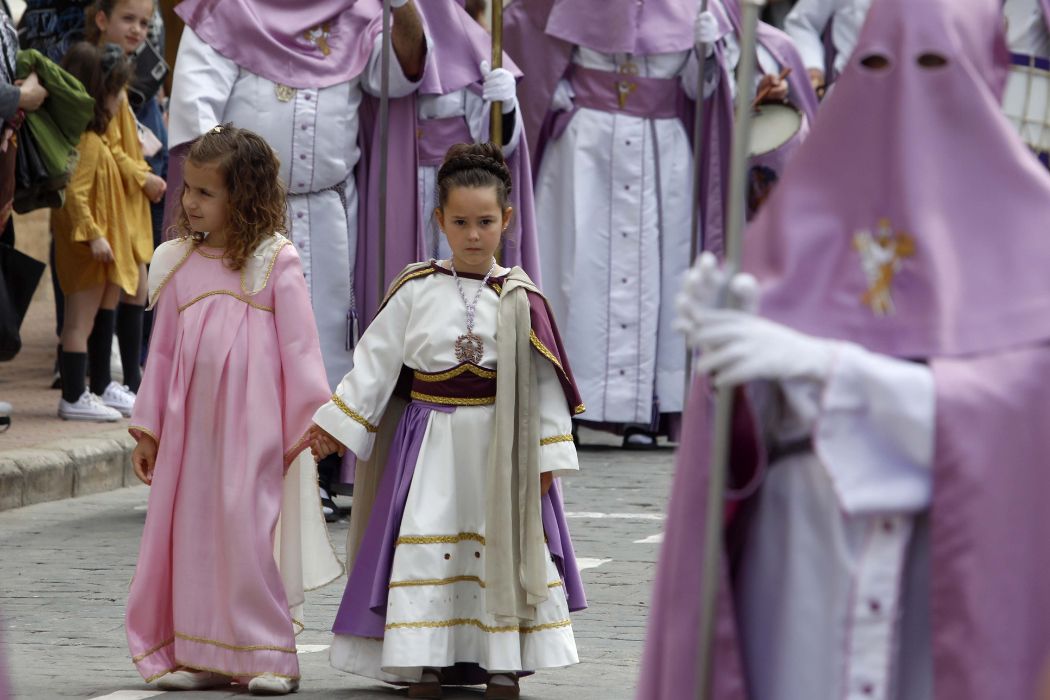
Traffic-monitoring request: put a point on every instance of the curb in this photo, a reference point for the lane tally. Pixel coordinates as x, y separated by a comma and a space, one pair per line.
65, 469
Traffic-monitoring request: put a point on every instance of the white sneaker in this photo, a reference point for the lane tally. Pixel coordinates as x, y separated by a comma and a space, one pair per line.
87, 407
186, 679
116, 366
5, 415
119, 397
269, 684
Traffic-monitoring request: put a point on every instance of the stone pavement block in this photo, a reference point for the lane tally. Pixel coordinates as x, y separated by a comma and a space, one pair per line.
12, 484
48, 474
99, 463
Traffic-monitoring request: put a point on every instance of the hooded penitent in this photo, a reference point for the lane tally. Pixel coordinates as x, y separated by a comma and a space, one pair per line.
912, 222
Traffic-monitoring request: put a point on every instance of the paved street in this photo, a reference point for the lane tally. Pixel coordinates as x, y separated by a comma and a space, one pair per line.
65, 568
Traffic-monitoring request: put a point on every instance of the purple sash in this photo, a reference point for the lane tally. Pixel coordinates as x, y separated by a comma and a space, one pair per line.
436, 136
648, 98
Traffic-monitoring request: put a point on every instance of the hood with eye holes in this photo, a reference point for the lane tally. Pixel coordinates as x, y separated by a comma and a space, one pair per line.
913, 220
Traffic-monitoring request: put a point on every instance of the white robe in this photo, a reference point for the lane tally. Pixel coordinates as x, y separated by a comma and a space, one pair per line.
436, 612
461, 103
808, 20
832, 589
613, 210
315, 136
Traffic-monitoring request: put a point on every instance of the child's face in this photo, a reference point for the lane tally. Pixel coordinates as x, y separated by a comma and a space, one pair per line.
204, 197
473, 223
126, 25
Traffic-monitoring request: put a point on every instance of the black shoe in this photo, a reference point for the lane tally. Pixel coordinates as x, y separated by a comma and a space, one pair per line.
643, 439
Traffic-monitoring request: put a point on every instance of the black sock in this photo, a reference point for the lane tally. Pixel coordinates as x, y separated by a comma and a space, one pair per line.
73, 366
99, 347
129, 337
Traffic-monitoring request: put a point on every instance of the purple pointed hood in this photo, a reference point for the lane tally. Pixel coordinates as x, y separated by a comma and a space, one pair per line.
913, 218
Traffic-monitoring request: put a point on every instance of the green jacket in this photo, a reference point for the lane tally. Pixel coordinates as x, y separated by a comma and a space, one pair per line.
57, 125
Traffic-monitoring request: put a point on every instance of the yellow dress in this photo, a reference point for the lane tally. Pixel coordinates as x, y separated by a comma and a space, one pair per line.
123, 138
94, 208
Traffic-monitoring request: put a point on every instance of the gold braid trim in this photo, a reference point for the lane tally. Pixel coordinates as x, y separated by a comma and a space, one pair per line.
437, 581
447, 401
461, 621
404, 279
546, 352
440, 539
455, 372
144, 431
554, 439
226, 292
150, 303
354, 415
269, 269
234, 674
150, 652
233, 647
449, 581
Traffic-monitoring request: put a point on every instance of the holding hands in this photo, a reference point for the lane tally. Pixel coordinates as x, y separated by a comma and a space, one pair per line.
737, 346
499, 86
322, 444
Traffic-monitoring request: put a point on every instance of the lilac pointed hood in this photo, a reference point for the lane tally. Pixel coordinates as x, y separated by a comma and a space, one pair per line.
312, 44
460, 45
913, 220
641, 27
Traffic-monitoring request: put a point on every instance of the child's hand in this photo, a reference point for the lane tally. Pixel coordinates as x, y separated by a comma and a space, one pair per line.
144, 459
323, 444
154, 187
546, 479
101, 250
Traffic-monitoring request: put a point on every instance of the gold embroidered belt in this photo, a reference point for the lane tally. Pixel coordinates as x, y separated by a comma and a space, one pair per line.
463, 385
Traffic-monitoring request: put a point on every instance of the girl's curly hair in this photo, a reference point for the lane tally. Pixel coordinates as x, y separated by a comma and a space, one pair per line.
251, 172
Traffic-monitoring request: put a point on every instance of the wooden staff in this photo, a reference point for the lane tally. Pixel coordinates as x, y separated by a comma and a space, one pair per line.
719, 462
384, 141
496, 109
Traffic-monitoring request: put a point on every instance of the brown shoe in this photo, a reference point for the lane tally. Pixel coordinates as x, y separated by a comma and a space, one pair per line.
426, 690
495, 691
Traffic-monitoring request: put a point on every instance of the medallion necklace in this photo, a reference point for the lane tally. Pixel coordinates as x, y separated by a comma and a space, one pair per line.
469, 346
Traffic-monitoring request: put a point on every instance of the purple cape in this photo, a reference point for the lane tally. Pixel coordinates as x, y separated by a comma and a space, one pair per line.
301, 45
640, 27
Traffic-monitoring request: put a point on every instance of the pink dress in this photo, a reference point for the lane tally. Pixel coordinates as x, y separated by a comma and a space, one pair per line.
233, 378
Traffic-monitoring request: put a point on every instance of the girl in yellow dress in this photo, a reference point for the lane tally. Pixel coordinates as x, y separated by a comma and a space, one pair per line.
125, 23
94, 255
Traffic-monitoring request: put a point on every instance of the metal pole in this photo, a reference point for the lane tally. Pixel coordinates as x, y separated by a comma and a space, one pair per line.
698, 154
384, 141
496, 109
713, 530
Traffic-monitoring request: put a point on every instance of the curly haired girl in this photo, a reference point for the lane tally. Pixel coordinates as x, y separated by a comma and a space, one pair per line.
233, 376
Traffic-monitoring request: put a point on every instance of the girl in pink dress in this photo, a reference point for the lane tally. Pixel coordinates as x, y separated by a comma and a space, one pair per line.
233, 377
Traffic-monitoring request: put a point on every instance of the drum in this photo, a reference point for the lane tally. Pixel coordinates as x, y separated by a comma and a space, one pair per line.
772, 127
150, 71
1026, 101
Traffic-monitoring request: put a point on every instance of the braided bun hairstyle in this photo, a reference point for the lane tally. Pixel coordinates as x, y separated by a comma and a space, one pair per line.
474, 165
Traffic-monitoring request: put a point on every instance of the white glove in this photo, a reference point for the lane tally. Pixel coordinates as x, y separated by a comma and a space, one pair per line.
702, 291
499, 86
740, 348
706, 29
562, 99
394, 4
